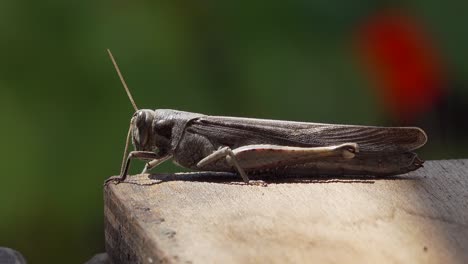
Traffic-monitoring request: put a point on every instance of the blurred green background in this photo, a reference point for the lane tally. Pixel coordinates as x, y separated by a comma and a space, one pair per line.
65, 115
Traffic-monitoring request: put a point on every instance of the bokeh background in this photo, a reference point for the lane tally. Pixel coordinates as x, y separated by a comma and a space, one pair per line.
64, 114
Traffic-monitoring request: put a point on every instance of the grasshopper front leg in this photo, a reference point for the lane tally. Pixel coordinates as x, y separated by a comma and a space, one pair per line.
256, 157
141, 155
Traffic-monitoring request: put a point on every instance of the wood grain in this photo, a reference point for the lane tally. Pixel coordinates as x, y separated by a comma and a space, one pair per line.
420, 217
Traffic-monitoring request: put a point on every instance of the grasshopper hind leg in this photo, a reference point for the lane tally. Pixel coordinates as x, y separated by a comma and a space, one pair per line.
259, 157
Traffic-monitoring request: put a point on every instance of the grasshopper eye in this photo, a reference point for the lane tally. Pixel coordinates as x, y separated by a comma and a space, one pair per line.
142, 129
143, 135
140, 119
139, 137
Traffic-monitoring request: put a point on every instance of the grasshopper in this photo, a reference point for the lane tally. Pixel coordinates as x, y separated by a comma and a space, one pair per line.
249, 145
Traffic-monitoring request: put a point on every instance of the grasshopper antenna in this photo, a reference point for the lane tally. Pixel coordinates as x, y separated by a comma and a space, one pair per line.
122, 80
127, 141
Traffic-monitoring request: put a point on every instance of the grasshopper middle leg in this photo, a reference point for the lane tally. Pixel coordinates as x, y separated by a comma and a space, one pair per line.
154, 163
231, 159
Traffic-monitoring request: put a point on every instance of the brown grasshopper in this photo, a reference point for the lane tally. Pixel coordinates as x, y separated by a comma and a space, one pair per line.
249, 145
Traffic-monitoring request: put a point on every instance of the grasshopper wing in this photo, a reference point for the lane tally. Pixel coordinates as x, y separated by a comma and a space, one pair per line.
236, 132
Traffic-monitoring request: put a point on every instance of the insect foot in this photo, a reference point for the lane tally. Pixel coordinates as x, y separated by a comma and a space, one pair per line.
259, 183
349, 150
113, 179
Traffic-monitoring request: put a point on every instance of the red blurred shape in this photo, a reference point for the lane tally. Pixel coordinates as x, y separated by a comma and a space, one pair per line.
404, 62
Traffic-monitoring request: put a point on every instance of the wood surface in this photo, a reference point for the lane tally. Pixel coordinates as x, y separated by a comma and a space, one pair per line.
420, 217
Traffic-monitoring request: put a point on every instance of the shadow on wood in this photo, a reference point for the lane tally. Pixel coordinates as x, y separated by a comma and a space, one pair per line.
421, 217
235, 179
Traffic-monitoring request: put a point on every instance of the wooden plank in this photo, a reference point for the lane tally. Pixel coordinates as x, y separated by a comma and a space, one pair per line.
421, 217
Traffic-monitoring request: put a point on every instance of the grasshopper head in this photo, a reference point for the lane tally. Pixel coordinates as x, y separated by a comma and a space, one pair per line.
141, 124
151, 132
